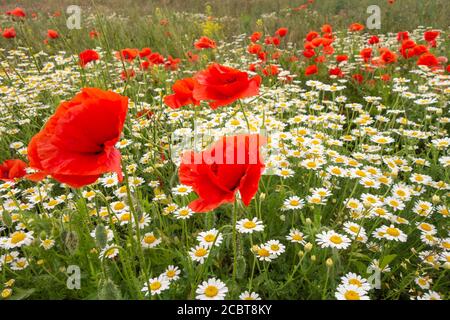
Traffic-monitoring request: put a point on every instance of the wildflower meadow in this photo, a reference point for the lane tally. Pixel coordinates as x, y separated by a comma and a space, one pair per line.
224, 150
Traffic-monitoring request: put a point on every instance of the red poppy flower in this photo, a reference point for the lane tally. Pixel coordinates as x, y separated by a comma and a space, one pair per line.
366, 54
205, 43
127, 54
223, 85
336, 72
232, 164
428, 59
254, 48
192, 57
388, 56
93, 34
282, 32
12, 169
52, 34
374, 40
310, 70
156, 58
358, 78
431, 35
255, 36
326, 28
182, 94
271, 70
311, 36
402, 36
355, 27
88, 56
448, 68
127, 74
341, 58
9, 33
17, 12
145, 52
77, 144
171, 63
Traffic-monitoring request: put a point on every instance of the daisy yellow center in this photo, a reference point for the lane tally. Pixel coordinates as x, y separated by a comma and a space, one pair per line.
209, 238
354, 229
401, 193
18, 237
336, 171
425, 227
352, 295
201, 252
297, 237
170, 273
110, 252
311, 164
356, 282
336, 239
295, 203
275, 247
119, 206
263, 252
249, 225
211, 291
125, 217
155, 285
393, 232
184, 212
52, 202
149, 239
182, 189
90, 194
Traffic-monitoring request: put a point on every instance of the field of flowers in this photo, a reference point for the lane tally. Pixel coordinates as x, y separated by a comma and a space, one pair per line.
167, 157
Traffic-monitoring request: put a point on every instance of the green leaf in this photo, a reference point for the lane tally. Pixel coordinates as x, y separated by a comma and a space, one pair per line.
386, 260
20, 294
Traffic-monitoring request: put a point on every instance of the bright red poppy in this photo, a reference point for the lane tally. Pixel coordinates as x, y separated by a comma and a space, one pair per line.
88, 56
77, 144
52, 34
232, 164
427, 59
205, 43
431, 35
355, 27
145, 52
221, 85
12, 169
182, 95
282, 32
17, 12
255, 36
9, 33
127, 54
310, 70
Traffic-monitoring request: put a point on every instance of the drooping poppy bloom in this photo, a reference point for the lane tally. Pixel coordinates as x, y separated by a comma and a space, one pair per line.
9, 33
232, 164
52, 34
310, 70
17, 12
87, 56
281, 32
12, 169
205, 43
77, 144
221, 85
182, 95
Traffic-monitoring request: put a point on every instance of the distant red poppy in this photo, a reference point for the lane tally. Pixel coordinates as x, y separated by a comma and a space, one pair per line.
310, 70
311, 36
182, 95
77, 144
52, 34
192, 57
282, 32
341, 58
386, 77
309, 53
366, 54
431, 35
255, 36
355, 27
448, 68
402, 36
232, 164
358, 77
223, 85
127, 74
254, 48
145, 52
326, 28
171, 63
205, 43
93, 34
271, 70
17, 12
156, 58
12, 169
9, 33
127, 54
87, 56
388, 56
374, 40
336, 72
